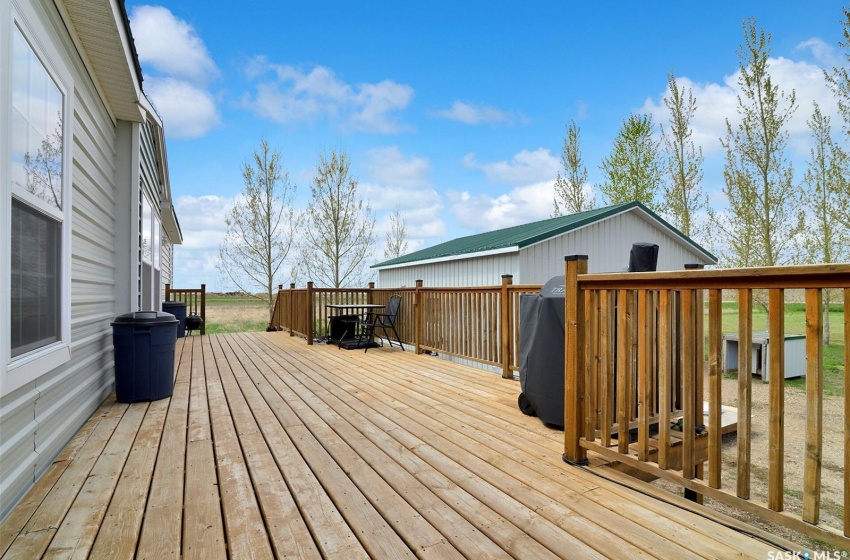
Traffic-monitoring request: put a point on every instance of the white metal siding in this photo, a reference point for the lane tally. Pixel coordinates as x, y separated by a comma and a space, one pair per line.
39, 418
481, 271
607, 244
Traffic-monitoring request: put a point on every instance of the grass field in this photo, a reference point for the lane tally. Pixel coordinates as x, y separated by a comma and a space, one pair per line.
235, 313
795, 323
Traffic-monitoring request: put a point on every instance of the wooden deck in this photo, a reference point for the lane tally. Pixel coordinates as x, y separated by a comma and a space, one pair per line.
270, 448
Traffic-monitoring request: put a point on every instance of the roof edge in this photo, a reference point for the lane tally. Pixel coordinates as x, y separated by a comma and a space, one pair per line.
449, 258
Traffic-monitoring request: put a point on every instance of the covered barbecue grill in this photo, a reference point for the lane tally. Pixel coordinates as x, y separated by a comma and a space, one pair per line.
541, 341
541, 352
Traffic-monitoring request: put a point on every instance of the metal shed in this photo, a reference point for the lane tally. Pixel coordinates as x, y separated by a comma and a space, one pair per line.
533, 253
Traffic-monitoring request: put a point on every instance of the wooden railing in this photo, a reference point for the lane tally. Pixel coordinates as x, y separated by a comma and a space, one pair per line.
634, 361
195, 300
465, 323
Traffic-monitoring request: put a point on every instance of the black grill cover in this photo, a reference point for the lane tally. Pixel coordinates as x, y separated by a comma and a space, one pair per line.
643, 257
541, 351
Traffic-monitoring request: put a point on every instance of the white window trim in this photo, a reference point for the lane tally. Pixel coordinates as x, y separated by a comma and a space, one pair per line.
17, 372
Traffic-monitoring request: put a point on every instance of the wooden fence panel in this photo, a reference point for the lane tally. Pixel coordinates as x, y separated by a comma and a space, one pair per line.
195, 300
658, 335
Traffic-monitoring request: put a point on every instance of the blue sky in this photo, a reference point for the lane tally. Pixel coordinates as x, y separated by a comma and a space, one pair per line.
454, 112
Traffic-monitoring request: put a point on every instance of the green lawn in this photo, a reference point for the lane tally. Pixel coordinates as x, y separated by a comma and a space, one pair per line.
235, 313
795, 323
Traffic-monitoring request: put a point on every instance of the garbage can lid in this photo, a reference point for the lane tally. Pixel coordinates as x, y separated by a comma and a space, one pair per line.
174, 304
145, 318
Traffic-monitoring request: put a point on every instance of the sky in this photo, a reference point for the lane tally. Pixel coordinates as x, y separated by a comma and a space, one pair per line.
452, 112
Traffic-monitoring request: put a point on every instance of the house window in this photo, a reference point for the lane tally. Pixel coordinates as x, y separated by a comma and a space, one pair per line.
151, 230
37, 204
36, 287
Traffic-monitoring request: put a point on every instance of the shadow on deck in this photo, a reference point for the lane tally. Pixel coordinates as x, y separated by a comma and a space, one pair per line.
272, 448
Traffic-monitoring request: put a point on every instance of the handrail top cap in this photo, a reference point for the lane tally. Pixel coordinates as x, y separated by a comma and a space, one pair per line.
575, 258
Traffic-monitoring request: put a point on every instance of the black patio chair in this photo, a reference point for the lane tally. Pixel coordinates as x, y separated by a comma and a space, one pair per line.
385, 321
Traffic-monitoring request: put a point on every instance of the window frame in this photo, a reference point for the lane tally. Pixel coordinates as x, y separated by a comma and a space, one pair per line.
23, 369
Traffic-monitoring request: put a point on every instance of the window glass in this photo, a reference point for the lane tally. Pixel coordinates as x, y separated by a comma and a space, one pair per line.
37, 215
35, 286
37, 126
157, 242
147, 231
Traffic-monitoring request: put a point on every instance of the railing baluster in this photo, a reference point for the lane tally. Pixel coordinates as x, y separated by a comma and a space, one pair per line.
623, 366
606, 370
776, 468
745, 390
665, 403
591, 359
715, 391
814, 406
688, 384
643, 377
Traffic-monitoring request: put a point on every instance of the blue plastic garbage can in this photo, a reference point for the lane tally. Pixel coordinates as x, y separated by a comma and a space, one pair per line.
144, 344
178, 309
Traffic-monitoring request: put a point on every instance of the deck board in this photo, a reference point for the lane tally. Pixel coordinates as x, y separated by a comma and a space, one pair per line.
272, 448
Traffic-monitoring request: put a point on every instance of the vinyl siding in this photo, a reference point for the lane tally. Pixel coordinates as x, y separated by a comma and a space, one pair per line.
39, 418
481, 271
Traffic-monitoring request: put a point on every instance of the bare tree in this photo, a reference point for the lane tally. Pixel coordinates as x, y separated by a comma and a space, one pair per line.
838, 80
763, 200
339, 229
261, 226
570, 196
633, 169
44, 168
827, 195
396, 236
683, 195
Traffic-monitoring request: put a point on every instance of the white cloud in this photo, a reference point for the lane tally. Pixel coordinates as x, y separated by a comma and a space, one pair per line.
401, 181
524, 168
285, 94
717, 102
477, 114
202, 219
203, 227
390, 166
376, 102
170, 45
824, 54
187, 111
521, 205
178, 69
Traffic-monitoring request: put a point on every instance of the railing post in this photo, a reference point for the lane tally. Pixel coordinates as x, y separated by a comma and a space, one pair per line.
417, 318
574, 360
291, 311
203, 309
699, 371
168, 292
369, 292
311, 312
505, 312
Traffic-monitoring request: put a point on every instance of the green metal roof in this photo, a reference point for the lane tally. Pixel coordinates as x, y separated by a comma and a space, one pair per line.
527, 234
